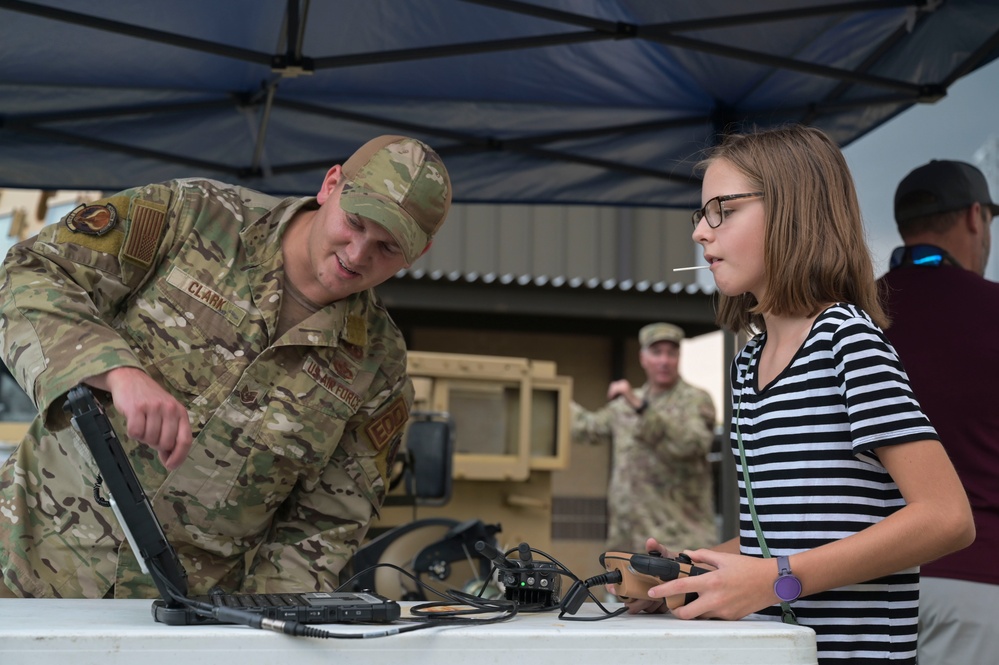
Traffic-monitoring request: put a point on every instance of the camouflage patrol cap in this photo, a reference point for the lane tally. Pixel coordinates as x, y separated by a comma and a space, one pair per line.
401, 184
659, 332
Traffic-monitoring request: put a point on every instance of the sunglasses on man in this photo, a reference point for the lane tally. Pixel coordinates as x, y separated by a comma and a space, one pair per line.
920, 255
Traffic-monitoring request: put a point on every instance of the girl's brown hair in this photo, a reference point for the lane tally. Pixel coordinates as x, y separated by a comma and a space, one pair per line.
815, 252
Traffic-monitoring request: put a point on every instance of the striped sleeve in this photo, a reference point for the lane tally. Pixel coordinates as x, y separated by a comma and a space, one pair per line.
882, 407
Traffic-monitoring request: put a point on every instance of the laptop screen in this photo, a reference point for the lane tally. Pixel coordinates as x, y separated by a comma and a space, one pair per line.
129, 501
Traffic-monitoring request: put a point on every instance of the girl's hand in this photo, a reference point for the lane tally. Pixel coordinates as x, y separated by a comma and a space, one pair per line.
647, 605
739, 586
638, 605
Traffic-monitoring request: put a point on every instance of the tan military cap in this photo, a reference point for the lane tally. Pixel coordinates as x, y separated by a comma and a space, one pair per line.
659, 332
401, 184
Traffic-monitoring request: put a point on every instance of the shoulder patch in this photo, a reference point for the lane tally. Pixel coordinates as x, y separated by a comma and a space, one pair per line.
387, 426
95, 225
93, 219
144, 233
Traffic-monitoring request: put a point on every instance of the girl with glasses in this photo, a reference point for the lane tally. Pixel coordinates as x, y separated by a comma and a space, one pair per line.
844, 487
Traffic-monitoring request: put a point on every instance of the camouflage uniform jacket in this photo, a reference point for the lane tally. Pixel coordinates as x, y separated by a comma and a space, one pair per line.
293, 436
661, 481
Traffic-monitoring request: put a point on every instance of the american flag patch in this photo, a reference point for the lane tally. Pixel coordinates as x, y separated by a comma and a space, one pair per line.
144, 233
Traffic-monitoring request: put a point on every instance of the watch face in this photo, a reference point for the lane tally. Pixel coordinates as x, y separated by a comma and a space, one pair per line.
787, 588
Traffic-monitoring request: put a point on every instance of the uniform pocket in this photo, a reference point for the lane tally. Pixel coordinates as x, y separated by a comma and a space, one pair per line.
360, 461
292, 443
181, 342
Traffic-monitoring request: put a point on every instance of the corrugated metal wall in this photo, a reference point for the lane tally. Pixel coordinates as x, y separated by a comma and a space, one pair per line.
639, 244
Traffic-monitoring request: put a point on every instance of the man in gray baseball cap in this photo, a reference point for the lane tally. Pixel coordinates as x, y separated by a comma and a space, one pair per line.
930, 204
941, 186
945, 327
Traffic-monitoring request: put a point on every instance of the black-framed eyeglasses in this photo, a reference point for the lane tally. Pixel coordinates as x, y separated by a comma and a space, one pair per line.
714, 212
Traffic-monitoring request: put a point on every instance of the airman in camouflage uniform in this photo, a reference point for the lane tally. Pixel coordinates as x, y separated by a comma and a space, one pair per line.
256, 315
661, 435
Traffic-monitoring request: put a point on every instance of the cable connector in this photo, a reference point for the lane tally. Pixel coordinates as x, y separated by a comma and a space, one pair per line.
241, 617
293, 628
581, 590
254, 620
610, 577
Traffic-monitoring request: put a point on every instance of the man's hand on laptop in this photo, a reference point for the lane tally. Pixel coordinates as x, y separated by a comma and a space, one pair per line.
153, 416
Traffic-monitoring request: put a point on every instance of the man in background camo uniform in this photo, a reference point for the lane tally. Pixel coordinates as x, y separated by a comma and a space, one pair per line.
261, 383
661, 435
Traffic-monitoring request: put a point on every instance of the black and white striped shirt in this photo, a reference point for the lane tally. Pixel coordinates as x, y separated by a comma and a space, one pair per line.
811, 439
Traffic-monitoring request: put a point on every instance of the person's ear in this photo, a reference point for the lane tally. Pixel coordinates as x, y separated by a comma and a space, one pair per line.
973, 218
429, 243
330, 181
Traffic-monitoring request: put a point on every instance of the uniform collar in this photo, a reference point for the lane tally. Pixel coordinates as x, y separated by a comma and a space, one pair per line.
262, 236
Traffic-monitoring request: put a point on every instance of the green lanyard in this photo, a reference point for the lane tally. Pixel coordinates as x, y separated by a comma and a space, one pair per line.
787, 614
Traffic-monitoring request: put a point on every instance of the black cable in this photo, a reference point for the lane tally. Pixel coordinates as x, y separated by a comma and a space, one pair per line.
299, 629
435, 611
428, 611
288, 627
425, 615
97, 493
433, 615
581, 590
345, 586
601, 617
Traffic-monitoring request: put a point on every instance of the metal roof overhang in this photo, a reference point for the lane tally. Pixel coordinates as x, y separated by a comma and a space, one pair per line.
543, 304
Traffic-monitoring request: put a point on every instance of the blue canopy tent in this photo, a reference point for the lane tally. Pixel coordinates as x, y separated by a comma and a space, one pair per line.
529, 101
541, 101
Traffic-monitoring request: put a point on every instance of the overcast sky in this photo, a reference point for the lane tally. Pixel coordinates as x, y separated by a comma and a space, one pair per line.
953, 128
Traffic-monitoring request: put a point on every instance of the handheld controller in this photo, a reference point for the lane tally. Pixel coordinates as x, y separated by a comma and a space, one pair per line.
641, 572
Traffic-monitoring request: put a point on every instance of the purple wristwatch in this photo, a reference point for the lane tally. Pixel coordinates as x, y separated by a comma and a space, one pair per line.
787, 587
